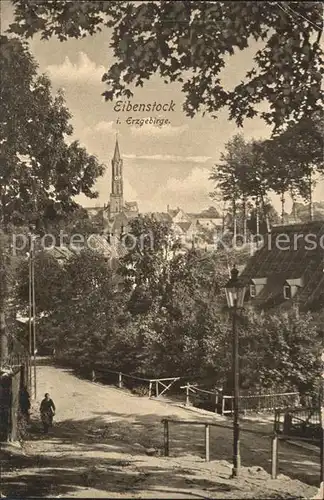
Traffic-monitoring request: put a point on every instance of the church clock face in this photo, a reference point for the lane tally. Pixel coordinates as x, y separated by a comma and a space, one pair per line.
116, 178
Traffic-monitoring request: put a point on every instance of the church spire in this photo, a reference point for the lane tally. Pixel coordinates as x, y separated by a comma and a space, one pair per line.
116, 196
116, 153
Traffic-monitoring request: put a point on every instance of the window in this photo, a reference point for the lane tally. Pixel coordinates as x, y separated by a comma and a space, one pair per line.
256, 286
291, 287
287, 292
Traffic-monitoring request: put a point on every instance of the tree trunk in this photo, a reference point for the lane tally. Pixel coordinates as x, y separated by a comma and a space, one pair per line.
311, 208
223, 217
283, 203
234, 222
3, 216
293, 198
265, 215
3, 336
244, 220
257, 213
3, 293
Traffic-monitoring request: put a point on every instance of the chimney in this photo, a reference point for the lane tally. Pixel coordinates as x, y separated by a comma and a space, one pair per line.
168, 208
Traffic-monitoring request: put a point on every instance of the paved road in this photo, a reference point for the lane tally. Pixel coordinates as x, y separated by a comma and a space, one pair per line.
100, 432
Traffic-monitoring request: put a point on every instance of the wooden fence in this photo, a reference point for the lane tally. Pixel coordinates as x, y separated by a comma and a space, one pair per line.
261, 402
167, 421
299, 422
154, 387
212, 400
275, 439
274, 448
218, 402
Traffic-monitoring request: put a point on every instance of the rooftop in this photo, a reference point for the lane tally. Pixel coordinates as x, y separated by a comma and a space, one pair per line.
184, 225
289, 252
161, 216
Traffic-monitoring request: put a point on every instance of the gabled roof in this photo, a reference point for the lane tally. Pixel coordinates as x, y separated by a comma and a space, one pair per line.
100, 244
96, 243
215, 222
173, 213
290, 254
184, 225
295, 282
259, 281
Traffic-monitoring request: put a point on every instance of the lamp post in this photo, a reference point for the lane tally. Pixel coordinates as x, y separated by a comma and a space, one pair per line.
321, 490
235, 292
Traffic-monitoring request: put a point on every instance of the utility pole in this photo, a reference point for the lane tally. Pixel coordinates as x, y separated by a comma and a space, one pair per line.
32, 316
236, 397
34, 320
30, 328
321, 492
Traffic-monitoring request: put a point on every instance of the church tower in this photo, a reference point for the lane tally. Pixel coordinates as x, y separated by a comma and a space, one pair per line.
116, 195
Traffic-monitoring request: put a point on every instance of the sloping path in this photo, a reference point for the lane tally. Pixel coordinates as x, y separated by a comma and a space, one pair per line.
99, 444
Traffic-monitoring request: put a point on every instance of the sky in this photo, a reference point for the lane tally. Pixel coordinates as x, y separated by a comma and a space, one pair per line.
167, 165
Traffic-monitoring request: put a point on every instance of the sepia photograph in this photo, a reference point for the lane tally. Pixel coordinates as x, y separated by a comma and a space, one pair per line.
161, 249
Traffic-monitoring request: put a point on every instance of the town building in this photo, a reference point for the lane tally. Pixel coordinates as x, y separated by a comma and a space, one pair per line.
288, 269
199, 229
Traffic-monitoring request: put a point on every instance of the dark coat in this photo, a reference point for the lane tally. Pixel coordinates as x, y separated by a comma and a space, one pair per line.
47, 406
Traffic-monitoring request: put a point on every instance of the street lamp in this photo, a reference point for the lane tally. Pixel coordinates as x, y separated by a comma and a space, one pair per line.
235, 292
321, 490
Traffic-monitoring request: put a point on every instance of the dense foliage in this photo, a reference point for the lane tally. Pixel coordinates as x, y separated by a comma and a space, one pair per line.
190, 42
162, 311
289, 163
41, 171
164, 314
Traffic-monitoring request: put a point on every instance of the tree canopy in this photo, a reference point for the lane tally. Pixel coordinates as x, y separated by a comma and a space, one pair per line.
84, 312
190, 42
41, 171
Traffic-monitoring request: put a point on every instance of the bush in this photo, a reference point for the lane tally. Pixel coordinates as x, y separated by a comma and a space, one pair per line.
140, 390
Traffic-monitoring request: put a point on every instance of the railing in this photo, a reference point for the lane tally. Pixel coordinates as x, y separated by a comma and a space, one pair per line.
213, 397
275, 450
261, 402
299, 422
206, 425
212, 400
153, 387
275, 438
